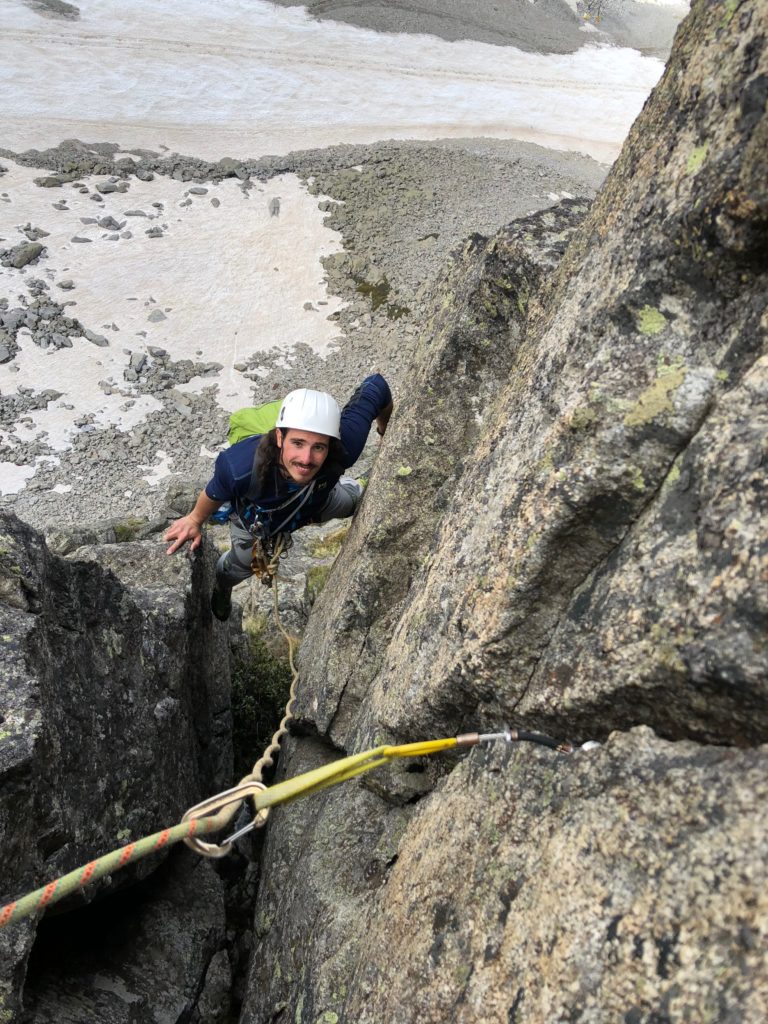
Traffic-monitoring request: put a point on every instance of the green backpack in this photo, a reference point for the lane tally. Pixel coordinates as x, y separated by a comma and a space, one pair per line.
253, 420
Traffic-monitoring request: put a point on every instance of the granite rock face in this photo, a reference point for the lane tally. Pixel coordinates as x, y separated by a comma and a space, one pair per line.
523, 887
469, 346
564, 531
115, 710
622, 884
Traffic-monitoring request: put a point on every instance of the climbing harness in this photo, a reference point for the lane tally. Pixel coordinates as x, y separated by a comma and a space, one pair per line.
214, 814
265, 561
260, 527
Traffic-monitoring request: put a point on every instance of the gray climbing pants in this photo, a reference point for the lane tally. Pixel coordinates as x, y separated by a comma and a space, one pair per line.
235, 566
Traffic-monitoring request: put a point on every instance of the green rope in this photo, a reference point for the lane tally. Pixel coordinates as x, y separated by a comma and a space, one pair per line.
61, 887
212, 814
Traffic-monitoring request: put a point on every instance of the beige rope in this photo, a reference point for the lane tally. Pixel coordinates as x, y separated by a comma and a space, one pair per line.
263, 563
267, 758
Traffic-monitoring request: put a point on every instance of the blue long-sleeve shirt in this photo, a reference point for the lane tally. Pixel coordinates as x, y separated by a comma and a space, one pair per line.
271, 503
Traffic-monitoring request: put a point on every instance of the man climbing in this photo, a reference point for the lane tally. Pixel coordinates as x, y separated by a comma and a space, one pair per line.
285, 479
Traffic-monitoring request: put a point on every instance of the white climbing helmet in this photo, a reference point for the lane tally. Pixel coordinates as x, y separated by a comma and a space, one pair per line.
315, 411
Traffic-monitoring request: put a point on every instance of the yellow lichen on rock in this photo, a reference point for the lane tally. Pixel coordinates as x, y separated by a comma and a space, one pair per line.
656, 399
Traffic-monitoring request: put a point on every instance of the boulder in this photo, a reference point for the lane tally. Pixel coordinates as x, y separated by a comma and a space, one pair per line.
59, 9
115, 705
231, 168
107, 187
21, 255
96, 339
110, 222
33, 234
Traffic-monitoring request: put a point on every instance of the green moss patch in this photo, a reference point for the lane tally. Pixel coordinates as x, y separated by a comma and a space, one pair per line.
261, 684
317, 577
583, 417
396, 312
330, 545
377, 291
697, 158
128, 529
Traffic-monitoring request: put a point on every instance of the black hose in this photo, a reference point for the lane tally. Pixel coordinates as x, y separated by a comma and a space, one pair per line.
544, 741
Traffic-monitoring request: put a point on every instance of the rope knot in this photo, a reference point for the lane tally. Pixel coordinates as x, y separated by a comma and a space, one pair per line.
266, 554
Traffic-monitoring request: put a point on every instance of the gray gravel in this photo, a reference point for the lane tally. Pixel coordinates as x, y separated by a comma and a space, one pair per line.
401, 208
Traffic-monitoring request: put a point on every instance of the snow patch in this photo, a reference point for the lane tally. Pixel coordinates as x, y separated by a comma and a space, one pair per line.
243, 79
205, 291
160, 471
14, 478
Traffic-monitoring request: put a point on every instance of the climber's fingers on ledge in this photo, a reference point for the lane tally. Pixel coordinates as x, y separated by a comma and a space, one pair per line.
179, 536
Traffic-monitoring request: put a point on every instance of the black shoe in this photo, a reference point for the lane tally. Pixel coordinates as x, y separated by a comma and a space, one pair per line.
221, 602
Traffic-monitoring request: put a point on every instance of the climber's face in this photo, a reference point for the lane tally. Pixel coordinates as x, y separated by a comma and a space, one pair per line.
302, 453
